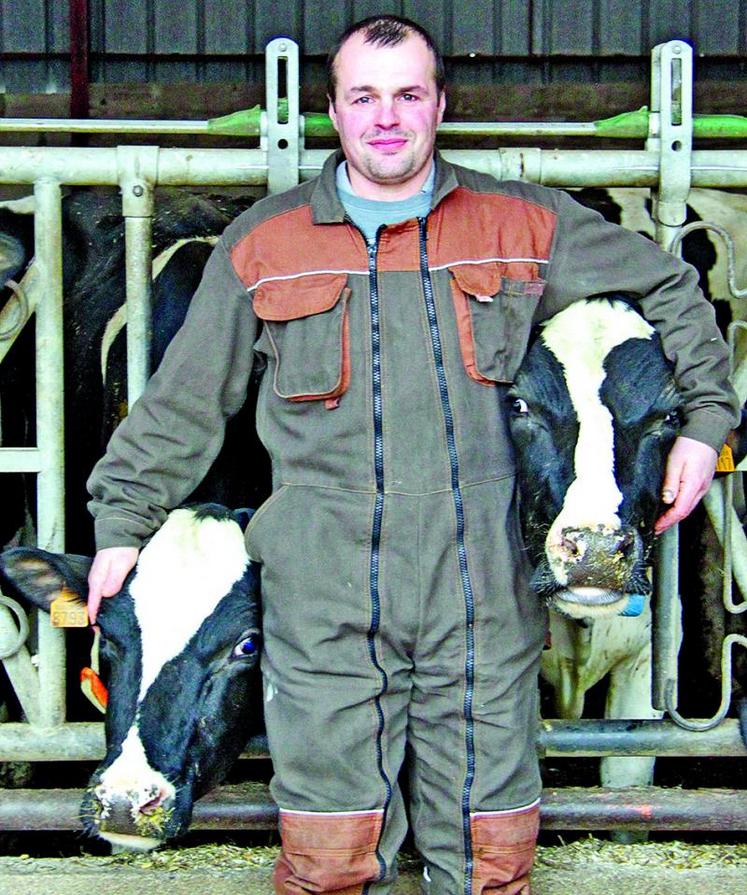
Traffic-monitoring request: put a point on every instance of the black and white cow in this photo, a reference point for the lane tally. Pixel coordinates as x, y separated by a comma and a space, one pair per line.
185, 226
594, 411
182, 642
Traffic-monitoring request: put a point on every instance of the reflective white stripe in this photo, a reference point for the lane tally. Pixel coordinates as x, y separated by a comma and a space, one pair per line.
311, 273
303, 273
487, 261
533, 804
331, 813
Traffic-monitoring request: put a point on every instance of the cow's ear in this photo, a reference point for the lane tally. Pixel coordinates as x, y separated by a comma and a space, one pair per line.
42, 577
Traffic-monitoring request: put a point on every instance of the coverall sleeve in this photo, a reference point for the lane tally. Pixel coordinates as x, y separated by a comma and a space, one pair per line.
165, 446
592, 256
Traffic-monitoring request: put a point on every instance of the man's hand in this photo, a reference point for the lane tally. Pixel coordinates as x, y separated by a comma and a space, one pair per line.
690, 468
108, 572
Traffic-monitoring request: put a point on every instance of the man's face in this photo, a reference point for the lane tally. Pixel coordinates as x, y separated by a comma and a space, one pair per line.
386, 111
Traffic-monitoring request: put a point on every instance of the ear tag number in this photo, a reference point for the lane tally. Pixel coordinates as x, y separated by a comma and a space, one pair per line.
68, 611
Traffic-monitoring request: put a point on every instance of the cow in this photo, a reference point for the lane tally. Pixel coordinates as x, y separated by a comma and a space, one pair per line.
632, 209
593, 412
185, 225
182, 641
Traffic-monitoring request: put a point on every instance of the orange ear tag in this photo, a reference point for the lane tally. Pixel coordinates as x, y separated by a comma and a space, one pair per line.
68, 610
93, 688
725, 462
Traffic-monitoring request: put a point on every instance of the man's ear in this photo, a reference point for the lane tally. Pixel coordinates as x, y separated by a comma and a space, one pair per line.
441, 106
332, 112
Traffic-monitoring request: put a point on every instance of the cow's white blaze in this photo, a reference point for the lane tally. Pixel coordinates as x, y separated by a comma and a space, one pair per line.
182, 574
593, 498
130, 776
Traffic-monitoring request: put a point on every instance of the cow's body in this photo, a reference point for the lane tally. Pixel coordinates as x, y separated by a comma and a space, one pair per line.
182, 641
184, 227
632, 209
594, 414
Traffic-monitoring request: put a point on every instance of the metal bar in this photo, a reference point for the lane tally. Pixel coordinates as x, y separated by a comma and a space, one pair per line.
20, 459
283, 126
79, 84
245, 167
50, 432
719, 507
666, 632
16, 312
626, 126
250, 807
84, 741
599, 738
15, 657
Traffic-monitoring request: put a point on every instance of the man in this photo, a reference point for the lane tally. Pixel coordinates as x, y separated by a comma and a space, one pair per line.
397, 295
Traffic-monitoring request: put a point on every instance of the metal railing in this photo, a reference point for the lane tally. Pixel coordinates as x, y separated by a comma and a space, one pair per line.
667, 164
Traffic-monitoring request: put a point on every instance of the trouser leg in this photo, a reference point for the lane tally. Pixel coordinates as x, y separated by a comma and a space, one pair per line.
473, 713
335, 705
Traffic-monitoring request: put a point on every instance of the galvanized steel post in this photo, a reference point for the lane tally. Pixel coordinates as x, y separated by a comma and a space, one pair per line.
138, 172
282, 136
50, 432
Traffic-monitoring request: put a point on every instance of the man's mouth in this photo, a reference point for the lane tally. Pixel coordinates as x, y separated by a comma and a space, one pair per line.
388, 144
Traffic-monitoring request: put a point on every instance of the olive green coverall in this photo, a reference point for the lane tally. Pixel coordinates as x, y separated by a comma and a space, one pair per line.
398, 623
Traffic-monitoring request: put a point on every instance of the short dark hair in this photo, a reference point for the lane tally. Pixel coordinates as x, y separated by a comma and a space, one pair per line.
384, 31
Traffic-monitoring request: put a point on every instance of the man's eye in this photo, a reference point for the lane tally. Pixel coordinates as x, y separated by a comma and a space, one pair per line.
409, 97
361, 100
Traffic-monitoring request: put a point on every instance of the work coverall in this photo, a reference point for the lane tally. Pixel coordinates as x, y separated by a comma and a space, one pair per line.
398, 623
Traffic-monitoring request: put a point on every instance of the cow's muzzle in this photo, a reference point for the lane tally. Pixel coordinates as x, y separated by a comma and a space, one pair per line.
139, 819
592, 571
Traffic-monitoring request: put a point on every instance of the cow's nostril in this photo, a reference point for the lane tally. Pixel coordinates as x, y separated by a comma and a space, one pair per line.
150, 807
572, 544
625, 541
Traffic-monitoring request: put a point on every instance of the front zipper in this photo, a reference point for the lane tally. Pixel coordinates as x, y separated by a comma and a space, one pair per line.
469, 603
377, 520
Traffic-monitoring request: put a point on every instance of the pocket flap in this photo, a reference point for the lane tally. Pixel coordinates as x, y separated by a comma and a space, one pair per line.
478, 279
491, 277
283, 300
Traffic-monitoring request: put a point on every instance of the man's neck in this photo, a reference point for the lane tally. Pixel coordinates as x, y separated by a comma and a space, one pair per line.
388, 192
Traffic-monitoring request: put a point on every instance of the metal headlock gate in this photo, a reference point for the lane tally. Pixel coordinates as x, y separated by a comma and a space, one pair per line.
667, 164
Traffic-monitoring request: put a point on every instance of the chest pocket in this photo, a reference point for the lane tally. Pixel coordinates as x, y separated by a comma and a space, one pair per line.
306, 332
495, 304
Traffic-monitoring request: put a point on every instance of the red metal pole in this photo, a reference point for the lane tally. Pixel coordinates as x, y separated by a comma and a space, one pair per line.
79, 82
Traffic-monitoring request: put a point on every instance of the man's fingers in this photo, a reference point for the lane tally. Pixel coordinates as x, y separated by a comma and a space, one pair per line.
689, 471
107, 574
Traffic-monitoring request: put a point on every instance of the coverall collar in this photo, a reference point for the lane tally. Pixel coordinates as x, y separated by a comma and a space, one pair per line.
326, 207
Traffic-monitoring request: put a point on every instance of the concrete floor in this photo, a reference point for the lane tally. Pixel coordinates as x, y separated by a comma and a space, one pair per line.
557, 874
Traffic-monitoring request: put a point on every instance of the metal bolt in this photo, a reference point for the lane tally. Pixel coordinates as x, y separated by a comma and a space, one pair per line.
677, 49
137, 191
283, 47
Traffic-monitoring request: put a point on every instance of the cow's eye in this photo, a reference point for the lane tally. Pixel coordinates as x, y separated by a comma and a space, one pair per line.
519, 406
248, 646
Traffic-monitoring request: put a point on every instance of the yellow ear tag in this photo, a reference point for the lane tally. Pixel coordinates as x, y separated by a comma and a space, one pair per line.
68, 610
725, 462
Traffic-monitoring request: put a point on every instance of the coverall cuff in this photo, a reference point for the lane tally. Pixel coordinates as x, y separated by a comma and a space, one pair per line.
118, 531
710, 428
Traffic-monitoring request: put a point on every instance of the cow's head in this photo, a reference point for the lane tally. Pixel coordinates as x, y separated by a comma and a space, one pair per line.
181, 640
594, 411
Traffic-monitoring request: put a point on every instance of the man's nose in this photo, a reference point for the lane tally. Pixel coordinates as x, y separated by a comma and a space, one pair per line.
387, 114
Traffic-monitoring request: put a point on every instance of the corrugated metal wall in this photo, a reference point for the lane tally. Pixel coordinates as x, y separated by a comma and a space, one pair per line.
538, 41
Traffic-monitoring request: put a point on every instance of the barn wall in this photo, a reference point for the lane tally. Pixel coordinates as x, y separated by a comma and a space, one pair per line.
537, 41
